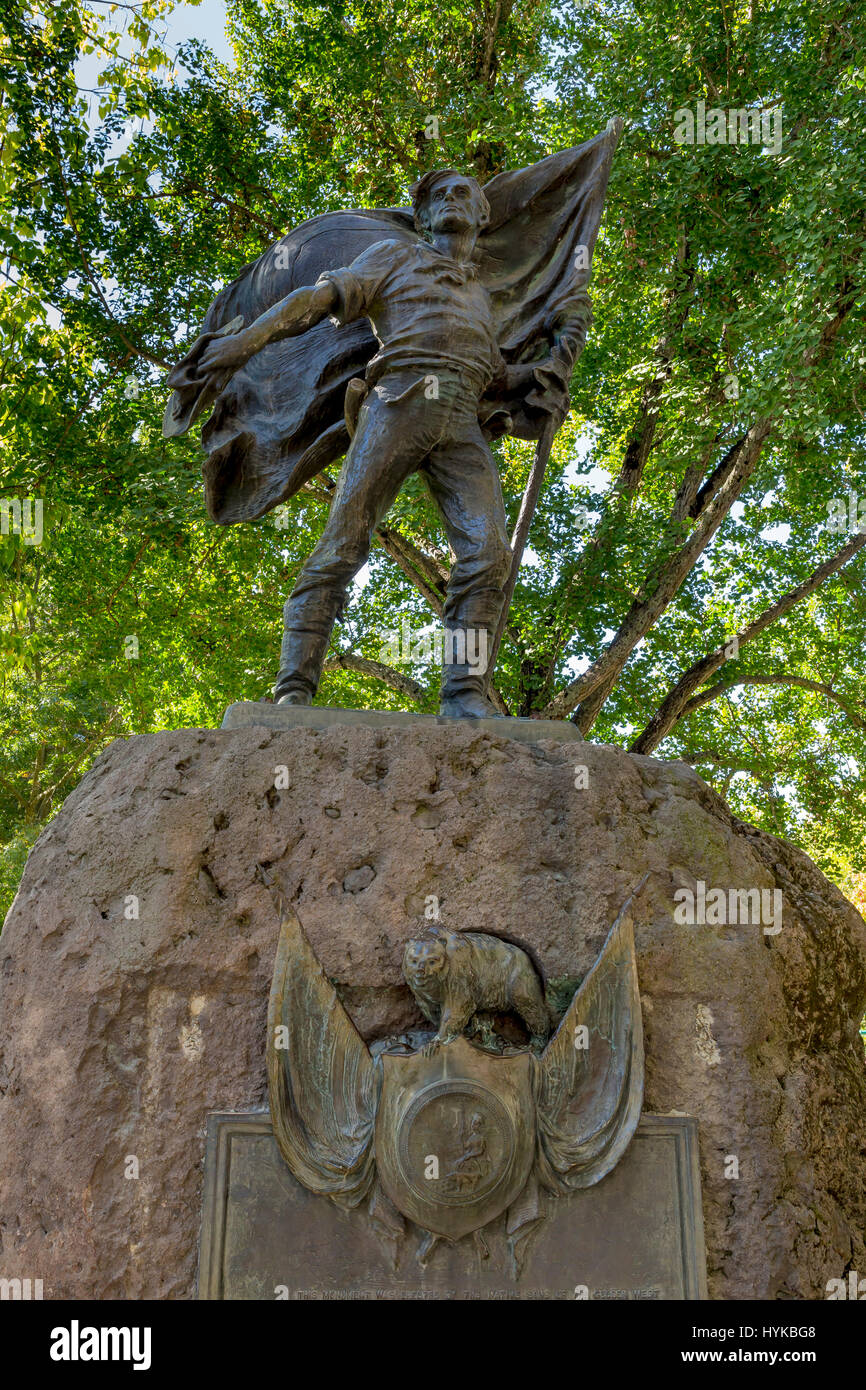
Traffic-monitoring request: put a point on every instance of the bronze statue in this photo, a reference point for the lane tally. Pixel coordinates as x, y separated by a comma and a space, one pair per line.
460, 978
478, 303
440, 1131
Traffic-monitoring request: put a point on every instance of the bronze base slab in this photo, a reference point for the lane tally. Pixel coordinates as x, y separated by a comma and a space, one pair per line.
249, 713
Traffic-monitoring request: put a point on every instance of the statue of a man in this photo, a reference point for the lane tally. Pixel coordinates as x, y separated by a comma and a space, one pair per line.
434, 392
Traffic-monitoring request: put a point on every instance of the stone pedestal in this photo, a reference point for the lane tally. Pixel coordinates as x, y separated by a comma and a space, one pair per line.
136, 961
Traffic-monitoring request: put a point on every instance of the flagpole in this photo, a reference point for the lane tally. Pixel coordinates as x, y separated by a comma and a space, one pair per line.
614, 128
521, 530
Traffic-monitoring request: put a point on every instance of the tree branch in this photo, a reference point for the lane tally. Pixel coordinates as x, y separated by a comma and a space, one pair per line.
594, 686
425, 571
429, 577
638, 449
48, 796
243, 208
117, 588
730, 765
782, 678
643, 431
592, 689
674, 705
351, 661
220, 537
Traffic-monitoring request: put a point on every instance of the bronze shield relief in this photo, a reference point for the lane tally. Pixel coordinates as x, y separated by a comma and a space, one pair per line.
455, 1135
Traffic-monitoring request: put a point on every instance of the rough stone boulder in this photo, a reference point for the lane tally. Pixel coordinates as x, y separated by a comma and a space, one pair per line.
136, 961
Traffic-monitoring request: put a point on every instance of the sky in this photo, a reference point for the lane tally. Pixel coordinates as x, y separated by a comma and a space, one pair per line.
206, 21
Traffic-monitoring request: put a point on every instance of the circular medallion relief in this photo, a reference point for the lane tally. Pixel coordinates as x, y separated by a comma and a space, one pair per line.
456, 1143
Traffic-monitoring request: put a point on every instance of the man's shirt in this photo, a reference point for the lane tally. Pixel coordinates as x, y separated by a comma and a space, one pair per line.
428, 311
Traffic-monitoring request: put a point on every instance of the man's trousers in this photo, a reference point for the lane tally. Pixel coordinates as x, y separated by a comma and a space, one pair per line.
408, 423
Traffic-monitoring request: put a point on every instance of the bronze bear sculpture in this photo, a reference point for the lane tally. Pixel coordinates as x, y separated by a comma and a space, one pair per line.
461, 978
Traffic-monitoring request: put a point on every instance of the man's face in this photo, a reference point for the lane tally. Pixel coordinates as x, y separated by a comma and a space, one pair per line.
453, 205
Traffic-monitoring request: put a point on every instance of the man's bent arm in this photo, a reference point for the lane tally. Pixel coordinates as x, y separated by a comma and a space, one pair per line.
300, 310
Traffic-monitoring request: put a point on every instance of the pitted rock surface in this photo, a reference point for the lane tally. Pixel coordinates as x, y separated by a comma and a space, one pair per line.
135, 966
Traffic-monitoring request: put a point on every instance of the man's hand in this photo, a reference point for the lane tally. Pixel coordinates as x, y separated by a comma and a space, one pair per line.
206, 370
299, 311
226, 354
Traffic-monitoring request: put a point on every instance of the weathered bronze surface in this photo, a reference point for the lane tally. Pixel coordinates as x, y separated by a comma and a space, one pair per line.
453, 1150
441, 1132
465, 315
636, 1235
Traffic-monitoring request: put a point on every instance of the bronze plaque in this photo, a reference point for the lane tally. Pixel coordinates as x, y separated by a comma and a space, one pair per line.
637, 1234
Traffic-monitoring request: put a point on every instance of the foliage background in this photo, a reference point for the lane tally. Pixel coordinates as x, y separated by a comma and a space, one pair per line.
125, 208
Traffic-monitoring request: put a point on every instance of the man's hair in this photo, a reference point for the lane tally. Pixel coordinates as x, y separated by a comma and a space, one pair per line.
423, 188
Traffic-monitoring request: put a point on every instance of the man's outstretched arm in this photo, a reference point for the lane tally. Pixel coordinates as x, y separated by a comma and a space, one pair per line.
300, 310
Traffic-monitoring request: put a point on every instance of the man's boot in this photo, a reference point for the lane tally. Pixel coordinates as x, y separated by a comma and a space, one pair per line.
305, 642
464, 683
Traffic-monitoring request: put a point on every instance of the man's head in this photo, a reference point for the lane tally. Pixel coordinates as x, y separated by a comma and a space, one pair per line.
446, 201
